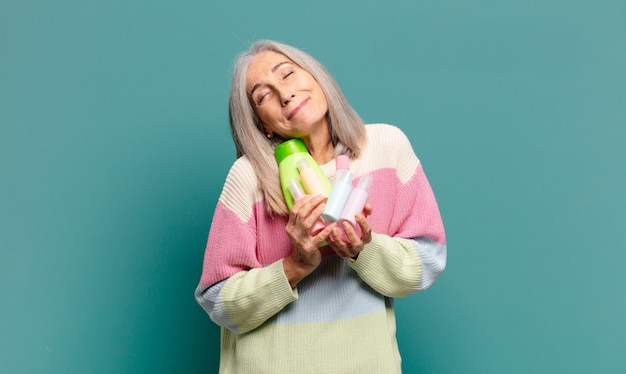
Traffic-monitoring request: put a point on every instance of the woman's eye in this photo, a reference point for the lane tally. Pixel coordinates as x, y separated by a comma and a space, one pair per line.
260, 98
288, 74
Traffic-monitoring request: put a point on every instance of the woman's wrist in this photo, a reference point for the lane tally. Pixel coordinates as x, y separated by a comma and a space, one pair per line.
296, 270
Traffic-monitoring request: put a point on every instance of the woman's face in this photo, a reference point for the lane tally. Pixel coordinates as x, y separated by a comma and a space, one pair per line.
287, 98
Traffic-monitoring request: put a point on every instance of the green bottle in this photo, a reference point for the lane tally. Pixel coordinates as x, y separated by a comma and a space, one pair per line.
296, 163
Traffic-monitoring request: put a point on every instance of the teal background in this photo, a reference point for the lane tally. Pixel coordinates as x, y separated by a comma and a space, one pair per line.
114, 144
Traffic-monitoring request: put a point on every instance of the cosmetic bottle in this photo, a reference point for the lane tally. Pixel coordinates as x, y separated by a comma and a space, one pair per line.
313, 184
289, 155
355, 204
340, 191
297, 194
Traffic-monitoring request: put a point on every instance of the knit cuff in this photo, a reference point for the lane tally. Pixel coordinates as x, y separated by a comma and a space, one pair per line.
367, 259
279, 284
389, 265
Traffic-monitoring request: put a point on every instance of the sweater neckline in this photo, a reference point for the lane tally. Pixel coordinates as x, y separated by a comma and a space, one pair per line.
329, 169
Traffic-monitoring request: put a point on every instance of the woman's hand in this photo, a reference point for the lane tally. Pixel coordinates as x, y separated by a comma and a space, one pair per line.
306, 255
354, 245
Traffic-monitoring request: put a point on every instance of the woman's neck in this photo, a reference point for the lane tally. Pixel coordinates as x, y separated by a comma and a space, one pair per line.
323, 153
320, 147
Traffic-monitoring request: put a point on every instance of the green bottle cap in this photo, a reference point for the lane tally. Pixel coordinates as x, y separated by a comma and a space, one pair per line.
289, 147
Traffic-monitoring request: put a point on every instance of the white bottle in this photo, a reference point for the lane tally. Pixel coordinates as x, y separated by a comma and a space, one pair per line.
341, 190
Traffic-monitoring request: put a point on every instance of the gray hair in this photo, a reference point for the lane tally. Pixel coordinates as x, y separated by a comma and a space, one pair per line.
347, 130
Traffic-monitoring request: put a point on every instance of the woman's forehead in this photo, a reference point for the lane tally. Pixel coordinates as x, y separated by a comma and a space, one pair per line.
264, 65
267, 61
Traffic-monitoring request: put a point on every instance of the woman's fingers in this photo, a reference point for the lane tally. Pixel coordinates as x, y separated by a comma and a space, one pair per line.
308, 207
302, 217
366, 228
346, 241
367, 209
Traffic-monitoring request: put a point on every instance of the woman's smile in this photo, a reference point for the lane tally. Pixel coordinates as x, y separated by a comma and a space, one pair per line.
297, 109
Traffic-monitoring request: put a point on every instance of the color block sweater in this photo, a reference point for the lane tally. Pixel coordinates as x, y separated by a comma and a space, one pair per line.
340, 319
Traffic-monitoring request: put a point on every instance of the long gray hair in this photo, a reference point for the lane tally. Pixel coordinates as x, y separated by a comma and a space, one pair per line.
347, 130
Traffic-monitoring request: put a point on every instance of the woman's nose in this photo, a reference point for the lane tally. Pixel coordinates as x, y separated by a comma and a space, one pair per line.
286, 95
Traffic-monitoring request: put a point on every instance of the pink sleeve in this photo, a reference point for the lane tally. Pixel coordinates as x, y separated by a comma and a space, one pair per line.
231, 247
416, 213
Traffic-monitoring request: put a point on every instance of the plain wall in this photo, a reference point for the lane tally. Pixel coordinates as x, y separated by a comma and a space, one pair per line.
114, 144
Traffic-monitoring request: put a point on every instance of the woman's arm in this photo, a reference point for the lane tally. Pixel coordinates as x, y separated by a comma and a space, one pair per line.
248, 298
434, 258
397, 267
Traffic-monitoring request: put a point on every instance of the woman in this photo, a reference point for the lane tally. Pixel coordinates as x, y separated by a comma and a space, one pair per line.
285, 304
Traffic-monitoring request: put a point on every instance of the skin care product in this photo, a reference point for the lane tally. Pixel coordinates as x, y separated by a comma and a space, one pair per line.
355, 204
311, 180
289, 155
341, 190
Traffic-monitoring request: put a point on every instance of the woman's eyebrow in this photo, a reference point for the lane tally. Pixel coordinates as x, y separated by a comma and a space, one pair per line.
279, 65
273, 71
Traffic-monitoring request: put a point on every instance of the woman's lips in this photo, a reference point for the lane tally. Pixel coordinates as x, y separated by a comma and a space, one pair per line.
297, 109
